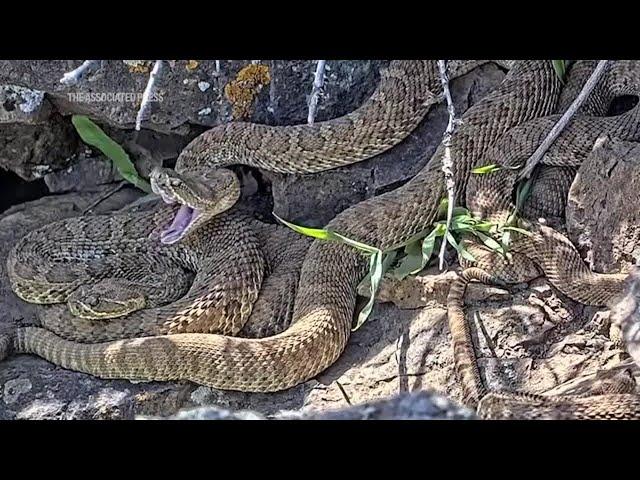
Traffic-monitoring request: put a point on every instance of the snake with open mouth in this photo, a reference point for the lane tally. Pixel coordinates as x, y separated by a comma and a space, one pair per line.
190, 343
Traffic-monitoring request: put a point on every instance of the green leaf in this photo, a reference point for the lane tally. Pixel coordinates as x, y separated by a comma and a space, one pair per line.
92, 134
519, 230
459, 248
442, 208
428, 245
491, 243
411, 263
506, 238
560, 67
387, 260
326, 234
440, 230
466, 254
462, 222
376, 272
522, 192
486, 169
360, 246
319, 233
485, 227
457, 211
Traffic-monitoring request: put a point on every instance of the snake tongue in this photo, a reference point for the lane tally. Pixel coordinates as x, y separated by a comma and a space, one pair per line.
184, 217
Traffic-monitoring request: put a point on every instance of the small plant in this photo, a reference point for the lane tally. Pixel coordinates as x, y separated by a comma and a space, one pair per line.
417, 252
92, 134
376, 262
560, 67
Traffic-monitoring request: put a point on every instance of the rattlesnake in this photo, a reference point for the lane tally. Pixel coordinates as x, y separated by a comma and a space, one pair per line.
325, 300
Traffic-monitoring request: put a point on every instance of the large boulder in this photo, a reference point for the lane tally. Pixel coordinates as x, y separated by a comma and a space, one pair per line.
603, 220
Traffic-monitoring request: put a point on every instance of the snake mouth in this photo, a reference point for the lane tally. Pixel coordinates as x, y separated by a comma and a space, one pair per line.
182, 222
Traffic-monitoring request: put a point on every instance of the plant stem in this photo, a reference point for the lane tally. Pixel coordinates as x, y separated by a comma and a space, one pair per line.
447, 161
318, 82
74, 76
146, 96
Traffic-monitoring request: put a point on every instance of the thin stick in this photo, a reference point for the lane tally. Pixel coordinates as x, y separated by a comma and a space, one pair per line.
104, 197
318, 82
564, 120
488, 339
344, 393
447, 161
74, 76
146, 96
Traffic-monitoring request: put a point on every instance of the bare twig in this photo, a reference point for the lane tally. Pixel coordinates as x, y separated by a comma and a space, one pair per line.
318, 82
447, 161
533, 161
344, 393
104, 197
487, 337
146, 96
217, 66
74, 76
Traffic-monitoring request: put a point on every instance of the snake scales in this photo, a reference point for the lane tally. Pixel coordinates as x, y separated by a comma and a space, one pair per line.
168, 348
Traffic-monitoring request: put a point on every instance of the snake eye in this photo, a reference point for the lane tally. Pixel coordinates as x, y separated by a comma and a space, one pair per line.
175, 182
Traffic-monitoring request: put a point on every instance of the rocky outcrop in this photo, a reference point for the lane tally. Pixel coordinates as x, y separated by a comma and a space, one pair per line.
34, 138
603, 218
410, 406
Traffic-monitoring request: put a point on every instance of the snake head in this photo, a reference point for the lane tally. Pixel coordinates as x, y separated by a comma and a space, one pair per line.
202, 195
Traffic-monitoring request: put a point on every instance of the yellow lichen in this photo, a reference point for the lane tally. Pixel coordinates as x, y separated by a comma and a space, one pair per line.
192, 65
138, 66
242, 91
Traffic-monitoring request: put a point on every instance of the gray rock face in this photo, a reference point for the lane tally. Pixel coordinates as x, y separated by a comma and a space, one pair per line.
192, 92
426, 405
626, 315
603, 218
37, 138
32, 150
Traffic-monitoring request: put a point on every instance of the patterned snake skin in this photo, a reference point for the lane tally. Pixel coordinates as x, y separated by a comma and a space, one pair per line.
545, 251
325, 301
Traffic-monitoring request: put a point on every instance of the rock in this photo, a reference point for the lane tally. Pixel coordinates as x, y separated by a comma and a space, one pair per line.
410, 406
34, 139
600, 220
85, 175
112, 94
38, 139
626, 315
33, 150
22, 105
